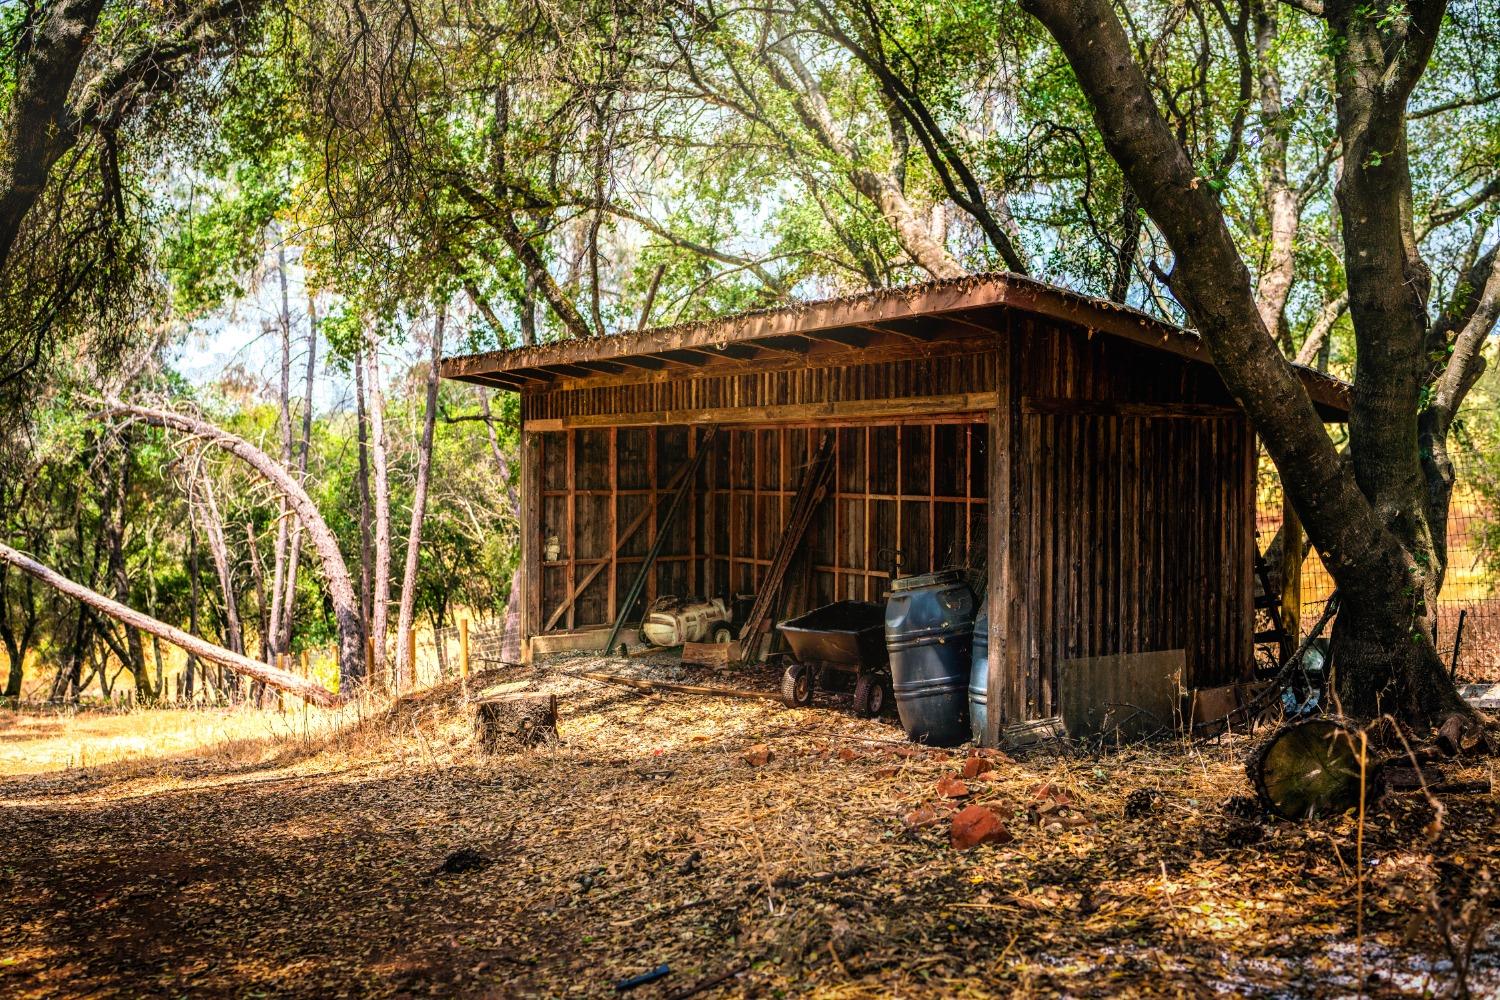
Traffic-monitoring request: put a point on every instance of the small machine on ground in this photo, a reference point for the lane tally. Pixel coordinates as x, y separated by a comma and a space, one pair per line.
672, 621
846, 636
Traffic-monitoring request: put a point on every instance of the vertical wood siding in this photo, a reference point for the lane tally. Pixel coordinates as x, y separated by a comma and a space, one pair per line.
1110, 494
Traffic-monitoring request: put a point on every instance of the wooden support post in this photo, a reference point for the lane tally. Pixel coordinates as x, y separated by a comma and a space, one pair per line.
1002, 524
463, 649
531, 540
306, 666
1291, 579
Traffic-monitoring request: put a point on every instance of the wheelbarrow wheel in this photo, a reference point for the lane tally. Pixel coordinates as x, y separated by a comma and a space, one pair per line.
869, 696
797, 685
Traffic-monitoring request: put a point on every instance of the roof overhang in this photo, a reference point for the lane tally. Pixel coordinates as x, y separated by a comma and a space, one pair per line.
939, 317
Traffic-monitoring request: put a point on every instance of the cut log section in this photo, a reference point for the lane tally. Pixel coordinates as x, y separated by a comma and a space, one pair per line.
1313, 768
515, 722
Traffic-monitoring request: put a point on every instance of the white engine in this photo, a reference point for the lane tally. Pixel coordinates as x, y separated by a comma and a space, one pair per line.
672, 621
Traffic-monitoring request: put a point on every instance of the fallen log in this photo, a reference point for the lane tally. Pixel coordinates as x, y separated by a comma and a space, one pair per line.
281, 680
1313, 768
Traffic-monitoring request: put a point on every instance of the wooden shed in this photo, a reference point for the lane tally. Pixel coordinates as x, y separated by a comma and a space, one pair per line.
1081, 457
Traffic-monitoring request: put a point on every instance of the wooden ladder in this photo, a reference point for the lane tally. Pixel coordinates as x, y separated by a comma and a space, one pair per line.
1270, 602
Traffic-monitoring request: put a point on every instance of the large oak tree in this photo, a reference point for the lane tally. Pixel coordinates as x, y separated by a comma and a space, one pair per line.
1377, 519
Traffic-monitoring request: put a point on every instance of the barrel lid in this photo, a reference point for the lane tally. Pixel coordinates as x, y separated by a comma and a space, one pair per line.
942, 578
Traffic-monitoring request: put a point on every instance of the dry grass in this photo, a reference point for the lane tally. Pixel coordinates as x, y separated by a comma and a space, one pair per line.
38, 740
306, 867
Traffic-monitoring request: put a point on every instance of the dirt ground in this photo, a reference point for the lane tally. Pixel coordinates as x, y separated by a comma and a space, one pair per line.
266, 861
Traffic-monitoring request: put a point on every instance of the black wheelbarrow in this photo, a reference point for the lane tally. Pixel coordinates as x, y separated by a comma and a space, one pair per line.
846, 636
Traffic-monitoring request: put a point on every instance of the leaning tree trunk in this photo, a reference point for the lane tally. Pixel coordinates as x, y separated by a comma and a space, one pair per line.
213, 527
1368, 524
270, 676
324, 542
405, 654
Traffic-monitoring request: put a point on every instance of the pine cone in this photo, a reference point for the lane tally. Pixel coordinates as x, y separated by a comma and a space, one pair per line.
1139, 802
1242, 806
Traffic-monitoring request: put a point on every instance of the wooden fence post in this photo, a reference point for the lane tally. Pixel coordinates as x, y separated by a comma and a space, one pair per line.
1291, 579
463, 649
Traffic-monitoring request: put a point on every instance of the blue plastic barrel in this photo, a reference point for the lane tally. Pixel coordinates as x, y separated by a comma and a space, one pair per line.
929, 628
979, 677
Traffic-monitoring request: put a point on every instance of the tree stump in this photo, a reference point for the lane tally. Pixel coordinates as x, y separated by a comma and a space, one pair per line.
514, 722
1312, 768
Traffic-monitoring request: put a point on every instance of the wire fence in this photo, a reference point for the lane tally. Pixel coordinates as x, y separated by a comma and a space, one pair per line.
1471, 585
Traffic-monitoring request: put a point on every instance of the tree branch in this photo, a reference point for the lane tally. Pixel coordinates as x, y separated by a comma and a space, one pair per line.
271, 676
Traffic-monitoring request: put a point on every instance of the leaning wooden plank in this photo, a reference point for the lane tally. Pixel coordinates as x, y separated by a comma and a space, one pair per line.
810, 494
625, 536
646, 685
663, 525
282, 680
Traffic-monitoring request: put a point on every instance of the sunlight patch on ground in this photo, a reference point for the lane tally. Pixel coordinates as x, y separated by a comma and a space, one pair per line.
42, 741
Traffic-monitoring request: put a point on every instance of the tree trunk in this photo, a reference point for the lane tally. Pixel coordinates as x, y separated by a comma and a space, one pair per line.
381, 599
1367, 526
14, 654
289, 603
1279, 202
213, 527
65, 685
262, 612
405, 654
284, 426
366, 545
38, 126
189, 675
270, 676
324, 542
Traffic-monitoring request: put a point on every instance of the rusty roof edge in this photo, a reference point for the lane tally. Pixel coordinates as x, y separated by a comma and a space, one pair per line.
946, 295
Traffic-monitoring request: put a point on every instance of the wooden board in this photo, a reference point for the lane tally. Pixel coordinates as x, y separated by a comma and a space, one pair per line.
582, 641
1131, 694
710, 654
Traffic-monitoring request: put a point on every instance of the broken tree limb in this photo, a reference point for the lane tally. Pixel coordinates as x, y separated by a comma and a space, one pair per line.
272, 677
335, 571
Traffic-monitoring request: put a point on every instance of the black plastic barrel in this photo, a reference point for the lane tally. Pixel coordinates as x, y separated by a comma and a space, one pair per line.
979, 677
929, 627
